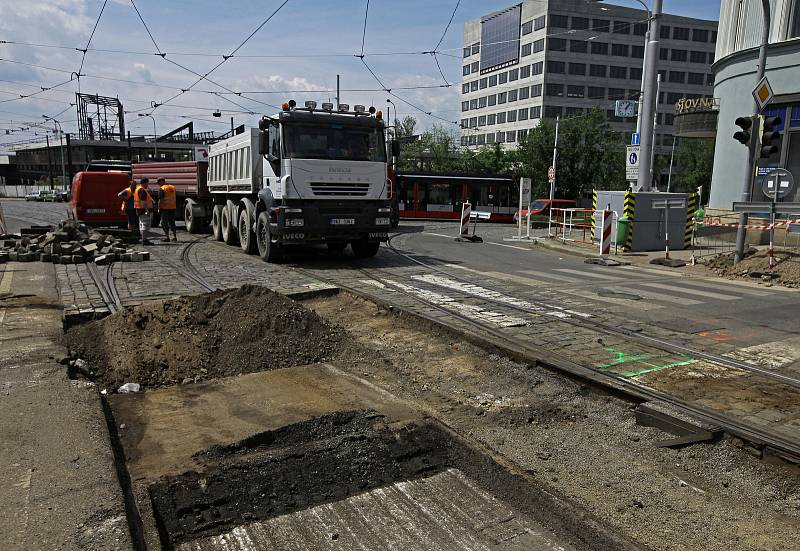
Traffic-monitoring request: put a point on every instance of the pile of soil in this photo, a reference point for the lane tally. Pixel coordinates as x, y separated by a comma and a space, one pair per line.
756, 265
196, 338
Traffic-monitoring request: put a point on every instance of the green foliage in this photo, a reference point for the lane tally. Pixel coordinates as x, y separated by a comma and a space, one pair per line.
695, 159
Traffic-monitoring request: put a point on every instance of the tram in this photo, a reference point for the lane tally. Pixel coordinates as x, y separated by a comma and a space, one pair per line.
440, 196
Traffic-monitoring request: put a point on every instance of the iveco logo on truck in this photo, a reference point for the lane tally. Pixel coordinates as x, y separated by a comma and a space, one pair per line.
269, 189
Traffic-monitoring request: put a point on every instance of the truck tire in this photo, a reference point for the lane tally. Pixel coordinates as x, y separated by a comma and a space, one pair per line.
267, 250
229, 230
364, 249
216, 222
247, 237
194, 224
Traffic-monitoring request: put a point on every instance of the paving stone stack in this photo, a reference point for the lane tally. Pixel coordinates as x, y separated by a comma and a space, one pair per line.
70, 243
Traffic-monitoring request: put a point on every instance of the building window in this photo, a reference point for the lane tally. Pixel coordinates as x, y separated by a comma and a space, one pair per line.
601, 25
664, 32
483, 83
557, 44
663, 74
574, 91
492, 81
618, 72
537, 68
573, 111
491, 119
669, 118
473, 122
552, 111
465, 88
511, 136
555, 90
679, 55
482, 102
580, 23
473, 140
538, 45
502, 78
490, 137
501, 137
796, 6
699, 35
473, 104
526, 49
616, 93
636, 73
622, 27
540, 23
600, 48
678, 77
680, 33
597, 71
501, 118
560, 21
527, 28
464, 106
577, 69
697, 57
482, 120
492, 100
697, 78
512, 116
521, 134
556, 67
481, 139
673, 97
464, 141
536, 112
596, 92
467, 52
464, 123
637, 52
536, 90
710, 79
663, 54
473, 86
578, 46
512, 96
524, 93
502, 97
513, 75
525, 71
475, 66
640, 29
710, 58
620, 50
465, 70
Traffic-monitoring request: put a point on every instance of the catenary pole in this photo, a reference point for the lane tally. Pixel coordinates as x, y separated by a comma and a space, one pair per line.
648, 101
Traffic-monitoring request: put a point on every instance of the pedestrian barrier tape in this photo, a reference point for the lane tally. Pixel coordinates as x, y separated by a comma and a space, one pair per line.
787, 223
691, 207
628, 210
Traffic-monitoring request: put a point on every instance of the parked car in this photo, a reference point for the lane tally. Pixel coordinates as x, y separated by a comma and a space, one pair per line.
63, 196
49, 196
34, 196
541, 207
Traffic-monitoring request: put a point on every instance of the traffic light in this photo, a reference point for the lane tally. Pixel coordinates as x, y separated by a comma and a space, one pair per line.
743, 136
769, 135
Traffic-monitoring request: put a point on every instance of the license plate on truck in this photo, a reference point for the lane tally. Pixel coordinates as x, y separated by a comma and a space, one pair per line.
343, 221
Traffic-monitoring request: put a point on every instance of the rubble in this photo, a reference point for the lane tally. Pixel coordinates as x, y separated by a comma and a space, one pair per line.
69, 243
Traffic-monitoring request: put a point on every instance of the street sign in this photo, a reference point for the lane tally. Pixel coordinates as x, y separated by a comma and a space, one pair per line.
625, 108
778, 183
524, 191
551, 174
763, 93
780, 208
636, 138
632, 162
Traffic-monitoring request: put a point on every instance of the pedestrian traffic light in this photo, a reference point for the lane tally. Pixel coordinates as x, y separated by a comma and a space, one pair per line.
769, 136
743, 136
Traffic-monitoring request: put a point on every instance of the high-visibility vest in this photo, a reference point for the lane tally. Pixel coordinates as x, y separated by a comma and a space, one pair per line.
126, 196
142, 204
168, 201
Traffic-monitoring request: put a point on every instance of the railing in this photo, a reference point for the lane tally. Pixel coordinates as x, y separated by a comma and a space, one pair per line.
577, 226
715, 235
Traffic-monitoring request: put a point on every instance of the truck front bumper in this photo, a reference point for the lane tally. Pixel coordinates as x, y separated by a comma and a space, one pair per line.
332, 221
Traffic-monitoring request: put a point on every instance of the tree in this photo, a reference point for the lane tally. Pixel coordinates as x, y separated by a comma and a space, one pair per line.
695, 161
406, 127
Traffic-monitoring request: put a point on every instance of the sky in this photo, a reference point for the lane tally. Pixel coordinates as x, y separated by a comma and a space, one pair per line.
295, 55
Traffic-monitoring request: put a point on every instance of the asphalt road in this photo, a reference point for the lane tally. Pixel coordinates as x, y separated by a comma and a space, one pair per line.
19, 213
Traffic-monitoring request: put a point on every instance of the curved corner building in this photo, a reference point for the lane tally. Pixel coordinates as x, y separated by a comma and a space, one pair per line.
740, 31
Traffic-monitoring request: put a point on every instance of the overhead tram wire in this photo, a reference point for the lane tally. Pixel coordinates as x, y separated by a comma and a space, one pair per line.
441, 39
88, 43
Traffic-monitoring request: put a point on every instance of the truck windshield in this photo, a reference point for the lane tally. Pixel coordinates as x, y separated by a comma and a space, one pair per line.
335, 142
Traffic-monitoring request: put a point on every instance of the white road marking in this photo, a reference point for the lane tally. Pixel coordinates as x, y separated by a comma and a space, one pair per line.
587, 273
502, 275
439, 235
558, 277
662, 297
5, 282
746, 291
770, 355
688, 291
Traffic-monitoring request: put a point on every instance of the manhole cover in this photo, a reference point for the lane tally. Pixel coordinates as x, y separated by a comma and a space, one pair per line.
607, 293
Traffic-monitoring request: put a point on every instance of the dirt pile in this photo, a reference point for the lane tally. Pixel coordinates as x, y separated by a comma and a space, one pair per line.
203, 337
756, 266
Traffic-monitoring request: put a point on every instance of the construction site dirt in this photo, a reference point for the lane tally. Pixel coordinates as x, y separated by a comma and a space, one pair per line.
245, 456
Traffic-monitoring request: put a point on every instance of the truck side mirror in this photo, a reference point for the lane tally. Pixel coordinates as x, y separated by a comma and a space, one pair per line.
263, 142
395, 148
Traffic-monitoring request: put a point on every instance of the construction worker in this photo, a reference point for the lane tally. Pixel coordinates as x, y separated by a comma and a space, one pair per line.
127, 206
143, 203
167, 203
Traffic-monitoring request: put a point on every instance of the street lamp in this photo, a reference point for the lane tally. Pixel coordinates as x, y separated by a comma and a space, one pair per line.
393, 120
61, 148
155, 134
647, 98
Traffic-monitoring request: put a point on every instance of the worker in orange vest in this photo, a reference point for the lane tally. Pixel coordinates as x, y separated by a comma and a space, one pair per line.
143, 203
127, 206
167, 204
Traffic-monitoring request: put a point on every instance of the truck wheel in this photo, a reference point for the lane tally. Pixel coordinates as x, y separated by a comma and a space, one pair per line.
267, 250
364, 249
228, 227
216, 222
193, 223
247, 237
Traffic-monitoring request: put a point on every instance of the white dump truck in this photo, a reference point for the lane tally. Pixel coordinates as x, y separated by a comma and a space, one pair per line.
305, 176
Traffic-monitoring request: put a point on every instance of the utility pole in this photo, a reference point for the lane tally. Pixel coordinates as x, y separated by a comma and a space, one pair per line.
555, 158
741, 232
655, 124
649, 100
49, 161
337, 92
671, 159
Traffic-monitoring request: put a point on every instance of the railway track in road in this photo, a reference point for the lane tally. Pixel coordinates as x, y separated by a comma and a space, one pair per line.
490, 334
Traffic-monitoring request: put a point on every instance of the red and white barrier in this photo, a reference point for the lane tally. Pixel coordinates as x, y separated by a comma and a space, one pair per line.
466, 212
605, 236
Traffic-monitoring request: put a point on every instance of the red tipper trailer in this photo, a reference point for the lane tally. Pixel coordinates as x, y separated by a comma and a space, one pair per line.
190, 179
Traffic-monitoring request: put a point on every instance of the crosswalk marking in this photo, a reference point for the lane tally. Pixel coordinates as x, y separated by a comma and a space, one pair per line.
661, 297
688, 291
589, 274
556, 277
501, 275
746, 291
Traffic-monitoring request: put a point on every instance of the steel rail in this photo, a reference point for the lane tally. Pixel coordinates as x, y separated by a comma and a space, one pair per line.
102, 287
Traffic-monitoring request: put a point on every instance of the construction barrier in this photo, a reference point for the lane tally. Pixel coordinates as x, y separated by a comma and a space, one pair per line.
466, 211
607, 223
577, 225
628, 211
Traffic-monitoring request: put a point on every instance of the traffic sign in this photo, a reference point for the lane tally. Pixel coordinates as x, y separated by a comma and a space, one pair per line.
636, 138
551, 174
525, 191
763, 93
632, 162
778, 183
